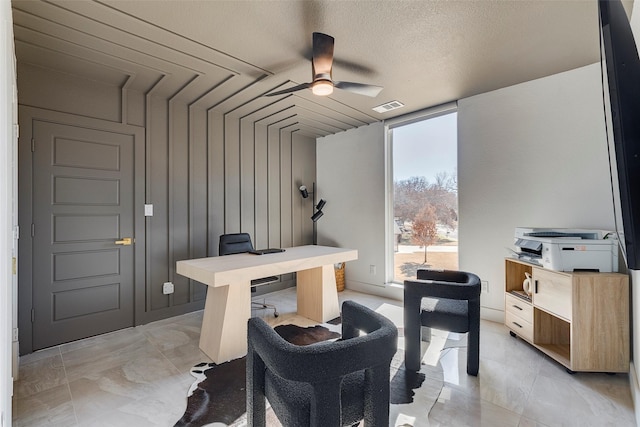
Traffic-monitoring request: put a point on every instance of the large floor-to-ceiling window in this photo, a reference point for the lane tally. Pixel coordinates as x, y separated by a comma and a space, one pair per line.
424, 193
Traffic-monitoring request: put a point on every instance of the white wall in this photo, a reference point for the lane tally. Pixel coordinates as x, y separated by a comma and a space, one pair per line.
351, 178
8, 143
532, 155
549, 130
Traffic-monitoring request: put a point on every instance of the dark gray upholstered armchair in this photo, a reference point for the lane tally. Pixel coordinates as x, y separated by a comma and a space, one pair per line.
442, 299
239, 243
328, 384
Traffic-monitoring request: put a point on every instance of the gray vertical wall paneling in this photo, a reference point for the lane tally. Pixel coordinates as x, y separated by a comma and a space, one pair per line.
296, 200
159, 237
247, 179
263, 172
179, 199
198, 191
148, 198
261, 186
304, 173
216, 179
310, 176
232, 175
286, 187
25, 246
273, 180
286, 178
140, 248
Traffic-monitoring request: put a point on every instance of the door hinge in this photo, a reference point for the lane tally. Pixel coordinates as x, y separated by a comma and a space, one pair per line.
33, 145
33, 315
33, 229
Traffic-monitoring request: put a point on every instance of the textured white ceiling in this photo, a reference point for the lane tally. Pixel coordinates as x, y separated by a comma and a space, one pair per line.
424, 53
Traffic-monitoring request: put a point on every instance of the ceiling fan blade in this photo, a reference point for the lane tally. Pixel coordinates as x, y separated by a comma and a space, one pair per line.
289, 90
322, 54
359, 88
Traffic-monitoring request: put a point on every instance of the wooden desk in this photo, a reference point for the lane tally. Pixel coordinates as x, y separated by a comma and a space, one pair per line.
228, 306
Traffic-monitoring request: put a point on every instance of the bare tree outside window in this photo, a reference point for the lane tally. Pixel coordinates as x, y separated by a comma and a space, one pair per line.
425, 196
425, 232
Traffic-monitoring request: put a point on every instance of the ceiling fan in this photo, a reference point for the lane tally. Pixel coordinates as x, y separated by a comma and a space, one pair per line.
321, 64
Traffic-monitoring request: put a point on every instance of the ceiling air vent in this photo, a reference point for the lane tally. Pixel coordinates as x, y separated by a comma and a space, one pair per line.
392, 105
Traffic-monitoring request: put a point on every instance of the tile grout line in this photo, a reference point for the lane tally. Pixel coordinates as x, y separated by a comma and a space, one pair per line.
161, 352
66, 377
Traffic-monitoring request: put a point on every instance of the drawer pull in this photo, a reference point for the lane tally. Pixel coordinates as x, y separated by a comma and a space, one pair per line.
518, 325
515, 306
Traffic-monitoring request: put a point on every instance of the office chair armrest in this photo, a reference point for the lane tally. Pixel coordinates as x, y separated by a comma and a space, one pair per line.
323, 361
443, 284
356, 318
455, 276
432, 289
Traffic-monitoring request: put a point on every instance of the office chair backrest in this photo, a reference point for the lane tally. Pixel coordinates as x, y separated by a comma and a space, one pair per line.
235, 243
326, 384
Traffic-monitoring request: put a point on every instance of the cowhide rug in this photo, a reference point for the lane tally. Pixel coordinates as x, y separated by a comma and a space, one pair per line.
218, 396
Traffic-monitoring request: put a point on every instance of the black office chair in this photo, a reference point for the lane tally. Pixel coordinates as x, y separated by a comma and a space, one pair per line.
442, 299
238, 243
327, 384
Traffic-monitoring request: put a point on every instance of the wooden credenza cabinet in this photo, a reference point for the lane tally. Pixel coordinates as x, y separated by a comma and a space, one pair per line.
580, 319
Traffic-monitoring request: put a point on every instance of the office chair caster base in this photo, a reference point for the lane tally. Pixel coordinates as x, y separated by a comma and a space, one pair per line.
265, 306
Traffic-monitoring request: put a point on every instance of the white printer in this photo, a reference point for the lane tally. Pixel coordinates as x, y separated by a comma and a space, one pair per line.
568, 249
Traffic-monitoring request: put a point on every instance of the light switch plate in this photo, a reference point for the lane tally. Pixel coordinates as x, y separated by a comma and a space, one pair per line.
148, 210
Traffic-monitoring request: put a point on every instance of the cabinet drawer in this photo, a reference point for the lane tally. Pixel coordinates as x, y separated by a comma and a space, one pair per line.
521, 327
552, 292
518, 308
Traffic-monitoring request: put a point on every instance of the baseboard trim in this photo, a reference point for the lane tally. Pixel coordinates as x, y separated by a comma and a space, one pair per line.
492, 314
388, 290
396, 291
635, 391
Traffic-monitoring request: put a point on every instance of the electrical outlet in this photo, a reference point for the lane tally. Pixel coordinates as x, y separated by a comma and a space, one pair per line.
15, 334
372, 269
485, 286
167, 288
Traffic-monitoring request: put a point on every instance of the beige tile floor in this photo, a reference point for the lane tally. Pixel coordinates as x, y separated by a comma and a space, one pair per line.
139, 377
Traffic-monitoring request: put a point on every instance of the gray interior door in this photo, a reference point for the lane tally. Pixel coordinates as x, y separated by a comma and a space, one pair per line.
83, 270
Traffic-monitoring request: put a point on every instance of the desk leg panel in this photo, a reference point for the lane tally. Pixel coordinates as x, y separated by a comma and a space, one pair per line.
317, 293
227, 309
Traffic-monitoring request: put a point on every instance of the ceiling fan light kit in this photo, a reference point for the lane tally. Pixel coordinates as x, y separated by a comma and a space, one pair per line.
322, 88
321, 69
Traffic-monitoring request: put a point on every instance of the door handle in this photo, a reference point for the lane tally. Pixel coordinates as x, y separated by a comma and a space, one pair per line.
125, 241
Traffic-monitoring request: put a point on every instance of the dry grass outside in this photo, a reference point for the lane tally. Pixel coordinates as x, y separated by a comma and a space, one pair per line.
406, 264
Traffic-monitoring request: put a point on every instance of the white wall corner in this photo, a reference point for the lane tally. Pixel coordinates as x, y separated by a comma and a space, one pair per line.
635, 391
